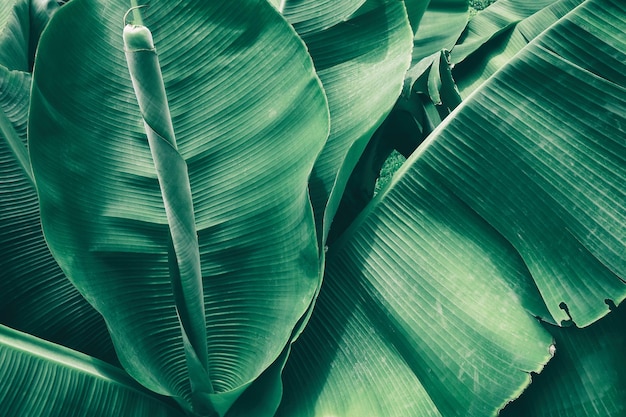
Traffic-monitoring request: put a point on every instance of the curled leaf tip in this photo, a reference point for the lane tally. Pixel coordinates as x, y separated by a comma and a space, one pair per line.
137, 17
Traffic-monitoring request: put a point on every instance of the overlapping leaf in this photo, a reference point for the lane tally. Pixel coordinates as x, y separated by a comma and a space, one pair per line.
512, 209
496, 19
249, 134
442, 24
586, 376
486, 60
38, 378
311, 16
21, 24
423, 311
361, 62
35, 296
440, 27
548, 168
427, 82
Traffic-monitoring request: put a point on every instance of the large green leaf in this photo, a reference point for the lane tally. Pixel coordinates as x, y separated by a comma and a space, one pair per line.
250, 118
438, 25
361, 62
442, 24
539, 155
424, 311
513, 208
496, 19
586, 376
38, 378
35, 296
486, 60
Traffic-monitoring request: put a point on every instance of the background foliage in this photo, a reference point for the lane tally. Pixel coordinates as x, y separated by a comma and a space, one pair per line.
495, 250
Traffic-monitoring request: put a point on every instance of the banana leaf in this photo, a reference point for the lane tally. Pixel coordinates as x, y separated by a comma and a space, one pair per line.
440, 27
312, 16
54, 381
361, 61
498, 18
21, 24
511, 211
472, 71
564, 168
248, 135
586, 376
442, 24
414, 115
35, 295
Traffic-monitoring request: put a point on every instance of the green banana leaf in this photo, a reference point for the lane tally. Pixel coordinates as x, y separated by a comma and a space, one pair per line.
21, 24
438, 25
35, 296
248, 134
556, 164
442, 24
54, 381
586, 376
263, 396
361, 62
498, 18
423, 311
512, 210
470, 73
311, 16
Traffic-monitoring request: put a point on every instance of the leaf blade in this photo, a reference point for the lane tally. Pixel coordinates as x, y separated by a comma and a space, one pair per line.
231, 111
430, 237
40, 378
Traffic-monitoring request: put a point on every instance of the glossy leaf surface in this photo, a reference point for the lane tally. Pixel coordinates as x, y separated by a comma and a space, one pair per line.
586, 376
249, 149
53, 381
498, 18
361, 62
311, 16
35, 295
486, 60
513, 208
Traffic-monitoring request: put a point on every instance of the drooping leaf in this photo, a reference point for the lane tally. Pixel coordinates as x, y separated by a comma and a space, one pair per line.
513, 208
38, 378
586, 376
414, 115
440, 27
541, 142
249, 135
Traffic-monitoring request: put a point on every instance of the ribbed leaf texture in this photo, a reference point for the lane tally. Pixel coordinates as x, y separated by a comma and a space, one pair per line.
512, 210
53, 381
250, 118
